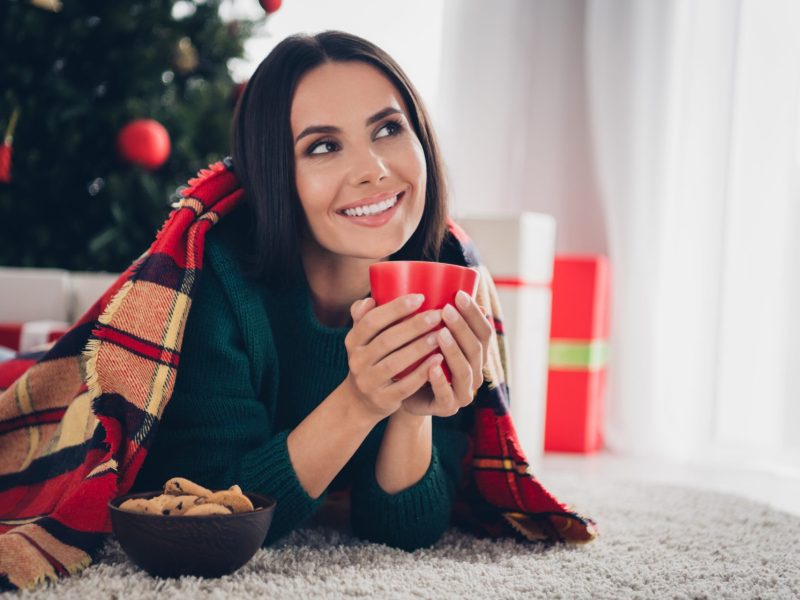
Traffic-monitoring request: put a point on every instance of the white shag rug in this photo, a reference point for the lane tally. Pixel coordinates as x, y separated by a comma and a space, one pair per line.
656, 541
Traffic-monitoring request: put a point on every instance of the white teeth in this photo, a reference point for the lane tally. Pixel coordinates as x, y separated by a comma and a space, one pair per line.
373, 209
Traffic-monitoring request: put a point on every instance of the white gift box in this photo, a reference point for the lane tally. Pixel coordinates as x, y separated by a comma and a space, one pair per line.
43, 300
86, 287
34, 334
49, 294
34, 294
519, 251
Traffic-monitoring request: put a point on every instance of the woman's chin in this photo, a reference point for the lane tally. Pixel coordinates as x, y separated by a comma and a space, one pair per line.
375, 253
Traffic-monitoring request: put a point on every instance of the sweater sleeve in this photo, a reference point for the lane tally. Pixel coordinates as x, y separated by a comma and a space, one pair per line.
417, 516
215, 429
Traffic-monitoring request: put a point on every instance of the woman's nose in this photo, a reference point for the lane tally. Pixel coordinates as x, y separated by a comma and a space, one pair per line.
368, 166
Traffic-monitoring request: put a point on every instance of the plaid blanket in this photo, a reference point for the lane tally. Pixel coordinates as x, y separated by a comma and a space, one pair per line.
76, 419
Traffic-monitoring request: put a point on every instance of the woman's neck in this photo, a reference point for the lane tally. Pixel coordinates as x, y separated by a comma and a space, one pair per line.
335, 283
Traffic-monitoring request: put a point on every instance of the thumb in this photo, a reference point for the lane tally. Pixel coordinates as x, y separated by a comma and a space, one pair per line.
361, 307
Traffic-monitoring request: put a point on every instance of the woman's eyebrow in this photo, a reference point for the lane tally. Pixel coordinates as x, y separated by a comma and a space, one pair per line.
385, 112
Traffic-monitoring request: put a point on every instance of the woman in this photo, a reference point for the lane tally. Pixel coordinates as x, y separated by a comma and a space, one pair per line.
242, 346
285, 385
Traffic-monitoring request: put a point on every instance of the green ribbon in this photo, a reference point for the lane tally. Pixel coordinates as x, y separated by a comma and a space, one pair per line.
574, 354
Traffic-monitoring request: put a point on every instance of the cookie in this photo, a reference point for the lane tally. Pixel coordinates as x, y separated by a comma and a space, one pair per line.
176, 505
140, 505
237, 503
184, 497
207, 508
179, 486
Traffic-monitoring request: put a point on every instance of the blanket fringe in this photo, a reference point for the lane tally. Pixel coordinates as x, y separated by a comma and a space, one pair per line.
201, 176
51, 576
534, 532
79, 566
92, 349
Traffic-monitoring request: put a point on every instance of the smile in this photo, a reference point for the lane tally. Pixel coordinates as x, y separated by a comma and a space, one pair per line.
373, 215
372, 209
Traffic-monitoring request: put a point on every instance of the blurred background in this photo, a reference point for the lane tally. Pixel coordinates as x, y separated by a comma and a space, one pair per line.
661, 139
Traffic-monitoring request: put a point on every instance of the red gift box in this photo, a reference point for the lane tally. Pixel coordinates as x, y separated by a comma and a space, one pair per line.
578, 354
17, 335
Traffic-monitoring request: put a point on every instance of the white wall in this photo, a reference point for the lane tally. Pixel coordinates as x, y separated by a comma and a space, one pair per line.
410, 31
513, 115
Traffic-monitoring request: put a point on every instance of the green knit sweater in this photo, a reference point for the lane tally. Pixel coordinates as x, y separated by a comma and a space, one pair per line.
254, 364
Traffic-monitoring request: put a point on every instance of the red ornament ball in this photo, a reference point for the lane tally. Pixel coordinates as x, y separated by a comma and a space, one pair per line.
236, 93
144, 142
270, 6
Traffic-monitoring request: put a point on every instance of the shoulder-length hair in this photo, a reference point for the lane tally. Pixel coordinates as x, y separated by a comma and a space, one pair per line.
263, 153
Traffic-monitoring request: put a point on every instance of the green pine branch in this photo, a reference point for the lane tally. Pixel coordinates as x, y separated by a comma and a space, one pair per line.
78, 76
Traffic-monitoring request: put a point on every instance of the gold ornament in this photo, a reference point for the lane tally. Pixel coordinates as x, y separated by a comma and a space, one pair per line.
53, 5
185, 57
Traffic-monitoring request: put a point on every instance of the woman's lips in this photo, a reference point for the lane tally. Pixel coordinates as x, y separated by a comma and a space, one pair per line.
375, 220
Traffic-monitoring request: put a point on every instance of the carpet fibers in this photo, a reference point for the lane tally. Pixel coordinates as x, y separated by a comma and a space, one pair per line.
656, 541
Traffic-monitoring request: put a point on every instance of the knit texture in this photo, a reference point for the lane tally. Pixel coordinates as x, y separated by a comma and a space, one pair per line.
227, 422
78, 418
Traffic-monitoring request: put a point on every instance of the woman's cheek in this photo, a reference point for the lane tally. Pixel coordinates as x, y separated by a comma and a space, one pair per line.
419, 157
314, 188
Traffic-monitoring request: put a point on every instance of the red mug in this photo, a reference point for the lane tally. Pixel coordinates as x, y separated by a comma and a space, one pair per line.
438, 282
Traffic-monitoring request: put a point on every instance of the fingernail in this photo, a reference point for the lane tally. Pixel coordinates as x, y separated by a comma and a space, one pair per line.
462, 299
437, 372
415, 300
433, 317
450, 313
432, 340
446, 336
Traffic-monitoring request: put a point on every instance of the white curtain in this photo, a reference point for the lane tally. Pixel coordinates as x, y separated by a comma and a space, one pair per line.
665, 135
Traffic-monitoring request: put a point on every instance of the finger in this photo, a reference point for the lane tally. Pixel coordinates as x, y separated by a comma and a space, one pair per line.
476, 316
414, 380
401, 334
482, 327
380, 317
401, 359
360, 307
491, 331
444, 404
467, 340
458, 364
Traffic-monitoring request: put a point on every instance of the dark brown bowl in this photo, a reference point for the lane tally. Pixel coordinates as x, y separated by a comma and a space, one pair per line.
208, 546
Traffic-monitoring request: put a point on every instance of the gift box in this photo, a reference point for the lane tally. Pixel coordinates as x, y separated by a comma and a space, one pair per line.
578, 354
518, 251
86, 288
28, 336
34, 294
38, 305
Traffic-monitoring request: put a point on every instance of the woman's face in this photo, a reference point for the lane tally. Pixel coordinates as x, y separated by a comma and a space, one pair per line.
354, 146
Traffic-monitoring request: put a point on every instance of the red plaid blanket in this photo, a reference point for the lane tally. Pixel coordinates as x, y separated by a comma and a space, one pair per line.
72, 418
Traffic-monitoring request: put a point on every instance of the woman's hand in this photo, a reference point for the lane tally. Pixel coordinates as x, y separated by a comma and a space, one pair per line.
466, 352
379, 347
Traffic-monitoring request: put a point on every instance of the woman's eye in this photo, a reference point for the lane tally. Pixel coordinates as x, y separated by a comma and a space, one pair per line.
394, 126
323, 144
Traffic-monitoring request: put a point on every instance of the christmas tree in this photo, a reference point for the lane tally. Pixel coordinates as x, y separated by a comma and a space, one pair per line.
116, 105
